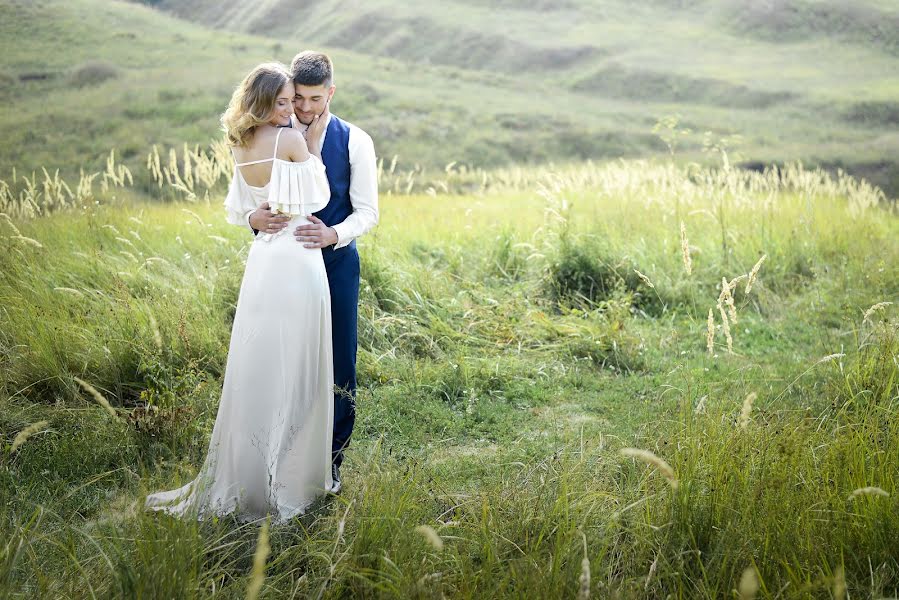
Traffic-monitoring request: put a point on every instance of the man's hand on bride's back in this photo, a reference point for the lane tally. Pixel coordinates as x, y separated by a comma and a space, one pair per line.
266, 221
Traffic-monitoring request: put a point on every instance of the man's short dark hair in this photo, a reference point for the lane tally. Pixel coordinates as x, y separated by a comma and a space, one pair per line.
312, 68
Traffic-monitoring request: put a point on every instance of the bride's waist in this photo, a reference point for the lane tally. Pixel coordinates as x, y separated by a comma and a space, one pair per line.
287, 235
299, 219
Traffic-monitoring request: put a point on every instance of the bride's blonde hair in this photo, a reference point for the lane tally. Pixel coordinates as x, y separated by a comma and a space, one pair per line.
253, 102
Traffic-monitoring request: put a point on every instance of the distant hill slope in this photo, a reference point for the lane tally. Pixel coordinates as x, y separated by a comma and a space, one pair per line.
470, 80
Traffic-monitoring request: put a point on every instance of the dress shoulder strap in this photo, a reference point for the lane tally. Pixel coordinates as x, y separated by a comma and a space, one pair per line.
253, 162
261, 160
277, 139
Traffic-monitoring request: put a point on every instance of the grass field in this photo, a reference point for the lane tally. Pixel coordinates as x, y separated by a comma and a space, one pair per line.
512, 341
657, 377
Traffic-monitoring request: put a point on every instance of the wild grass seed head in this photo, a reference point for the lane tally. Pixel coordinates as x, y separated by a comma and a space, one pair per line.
727, 298
97, 396
647, 457
685, 249
869, 491
870, 312
725, 327
749, 584
26, 433
746, 411
583, 592
154, 327
69, 290
430, 536
830, 357
257, 575
754, 272
644, 278
839, 583
27, 240
12, 225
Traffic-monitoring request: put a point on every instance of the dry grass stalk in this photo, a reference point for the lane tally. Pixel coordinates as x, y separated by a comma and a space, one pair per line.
97, 396
749, 584
830, 357
725, 327
430, 536
727, 298
157, 337
839, 583
125, 240
870, 312
645, 279
583, 592
27, 240
710, 333
746, 411
69, 290
10, 223
195, 216
647, 457
685, 249
26, 433
700, 406
869, 491
257, 575
732, 284
754, 272
652, 570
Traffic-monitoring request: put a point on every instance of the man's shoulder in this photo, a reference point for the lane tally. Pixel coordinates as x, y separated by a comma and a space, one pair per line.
354, 129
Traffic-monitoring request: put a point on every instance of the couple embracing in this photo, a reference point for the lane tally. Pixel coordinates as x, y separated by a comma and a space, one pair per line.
305, 183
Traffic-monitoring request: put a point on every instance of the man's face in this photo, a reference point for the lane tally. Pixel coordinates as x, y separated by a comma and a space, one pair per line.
310, 100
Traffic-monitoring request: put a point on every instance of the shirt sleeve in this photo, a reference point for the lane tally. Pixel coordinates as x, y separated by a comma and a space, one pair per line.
363, 189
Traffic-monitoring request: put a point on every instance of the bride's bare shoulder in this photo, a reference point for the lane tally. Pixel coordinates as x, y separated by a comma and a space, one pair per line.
292, 145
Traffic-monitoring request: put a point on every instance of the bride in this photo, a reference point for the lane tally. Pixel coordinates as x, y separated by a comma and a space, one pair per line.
270, 450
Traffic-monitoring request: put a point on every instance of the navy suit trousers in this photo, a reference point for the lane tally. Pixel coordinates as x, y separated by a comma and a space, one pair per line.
342, 266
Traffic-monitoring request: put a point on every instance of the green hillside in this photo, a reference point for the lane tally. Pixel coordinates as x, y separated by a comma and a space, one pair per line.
471, 81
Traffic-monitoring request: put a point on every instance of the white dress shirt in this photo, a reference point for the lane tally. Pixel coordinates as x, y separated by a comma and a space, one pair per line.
363, 183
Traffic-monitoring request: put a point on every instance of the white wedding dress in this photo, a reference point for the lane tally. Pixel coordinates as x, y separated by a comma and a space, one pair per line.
270, 451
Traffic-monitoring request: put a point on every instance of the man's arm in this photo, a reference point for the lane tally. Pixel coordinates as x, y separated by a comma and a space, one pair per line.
263, 218
363, 189
247, 219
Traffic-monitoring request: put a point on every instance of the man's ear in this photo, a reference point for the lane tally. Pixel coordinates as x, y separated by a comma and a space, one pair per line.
331, 91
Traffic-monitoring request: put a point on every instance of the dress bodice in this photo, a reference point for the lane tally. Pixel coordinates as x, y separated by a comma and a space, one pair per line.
295, 188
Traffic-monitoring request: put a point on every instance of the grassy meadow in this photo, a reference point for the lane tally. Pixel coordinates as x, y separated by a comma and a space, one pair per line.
597, 358
514, 340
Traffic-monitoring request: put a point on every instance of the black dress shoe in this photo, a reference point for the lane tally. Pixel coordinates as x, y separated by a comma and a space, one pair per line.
335, 476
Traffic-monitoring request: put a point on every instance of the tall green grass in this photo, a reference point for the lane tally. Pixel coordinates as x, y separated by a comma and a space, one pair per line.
508, 352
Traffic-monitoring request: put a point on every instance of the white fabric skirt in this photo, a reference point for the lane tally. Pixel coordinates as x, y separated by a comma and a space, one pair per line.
270, 451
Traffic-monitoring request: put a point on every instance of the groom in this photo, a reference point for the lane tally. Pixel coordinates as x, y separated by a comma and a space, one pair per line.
349, 157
